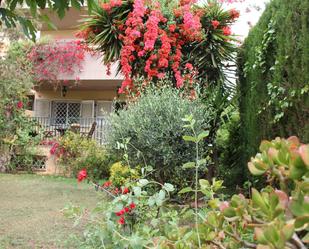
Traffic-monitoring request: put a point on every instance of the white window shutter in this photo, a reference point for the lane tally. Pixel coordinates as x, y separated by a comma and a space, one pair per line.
87, 109
42, 108
103, 108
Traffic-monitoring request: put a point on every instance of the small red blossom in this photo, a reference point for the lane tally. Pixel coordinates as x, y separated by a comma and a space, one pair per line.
125, 191
234, 14
126, 209
107, 184
189, 66
172, 27
227, 31
215, 24
132, 205
121, 221
82, 175
120, 213
20, 105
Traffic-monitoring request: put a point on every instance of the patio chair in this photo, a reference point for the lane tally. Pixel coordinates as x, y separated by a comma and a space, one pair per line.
89, 134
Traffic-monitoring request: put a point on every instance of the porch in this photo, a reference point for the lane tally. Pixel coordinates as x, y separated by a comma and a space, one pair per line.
92, 128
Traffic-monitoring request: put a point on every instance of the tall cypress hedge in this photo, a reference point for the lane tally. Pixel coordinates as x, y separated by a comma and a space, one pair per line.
274, 76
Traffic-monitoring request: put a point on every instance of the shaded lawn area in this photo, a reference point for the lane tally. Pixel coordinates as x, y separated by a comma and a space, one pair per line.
30, 210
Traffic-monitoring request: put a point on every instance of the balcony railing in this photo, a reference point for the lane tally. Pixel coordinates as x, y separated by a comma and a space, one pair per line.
56, 127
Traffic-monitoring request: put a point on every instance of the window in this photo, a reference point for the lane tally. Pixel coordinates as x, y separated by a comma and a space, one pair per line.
66, 112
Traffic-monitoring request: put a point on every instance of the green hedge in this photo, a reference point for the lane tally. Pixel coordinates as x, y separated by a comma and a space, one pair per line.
274, 76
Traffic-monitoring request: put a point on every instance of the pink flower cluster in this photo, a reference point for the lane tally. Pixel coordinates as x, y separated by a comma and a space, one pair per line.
55, 58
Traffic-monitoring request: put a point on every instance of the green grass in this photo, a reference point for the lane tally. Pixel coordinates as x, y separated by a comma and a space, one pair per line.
30, 210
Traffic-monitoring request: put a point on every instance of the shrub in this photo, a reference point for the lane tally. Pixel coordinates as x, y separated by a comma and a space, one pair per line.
76, 153
121, 174
154, 128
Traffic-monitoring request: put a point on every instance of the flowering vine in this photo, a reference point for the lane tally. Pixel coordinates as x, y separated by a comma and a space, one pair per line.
52, 59
155, 39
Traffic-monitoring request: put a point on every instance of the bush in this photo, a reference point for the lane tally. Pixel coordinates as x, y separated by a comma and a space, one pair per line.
76, 153
154, 128
121, 174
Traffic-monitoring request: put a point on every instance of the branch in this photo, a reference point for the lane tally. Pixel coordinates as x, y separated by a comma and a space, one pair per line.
298, 242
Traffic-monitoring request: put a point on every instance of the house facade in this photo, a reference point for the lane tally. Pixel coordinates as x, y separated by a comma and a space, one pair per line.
82, 104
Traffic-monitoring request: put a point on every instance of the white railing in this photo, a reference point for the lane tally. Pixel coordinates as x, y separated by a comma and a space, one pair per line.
56, 127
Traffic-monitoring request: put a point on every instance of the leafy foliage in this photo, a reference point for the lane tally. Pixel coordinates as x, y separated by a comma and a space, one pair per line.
15, 127
270, 218
75, 153
121, 174
274, 76
154, 128
11, 15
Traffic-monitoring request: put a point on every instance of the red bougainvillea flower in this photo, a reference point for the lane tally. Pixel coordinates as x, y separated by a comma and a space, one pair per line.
54, 148
234, 14
189, 66
126, 209
20, 105
107, 184
82, 175
121, 212
227, 31
121, 221
215, 24
125, 190
132, 205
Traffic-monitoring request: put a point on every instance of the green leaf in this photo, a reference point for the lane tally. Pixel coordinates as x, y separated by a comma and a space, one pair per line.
168, 187
300, 222
189, 139
204, 183
304, 153
202, 135
188, 165
185, 190
201, 162
254, 170
258, 201
143, 182
76, 4
49, 23
288, 231
137, 191
229, 212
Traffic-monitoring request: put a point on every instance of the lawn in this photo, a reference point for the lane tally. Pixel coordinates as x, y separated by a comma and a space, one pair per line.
30, 210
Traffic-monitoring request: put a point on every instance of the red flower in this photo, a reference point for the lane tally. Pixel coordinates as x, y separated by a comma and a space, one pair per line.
132, 205
120, 213
189, 66
82, 175
107, 184
234, 14
20, 105
121, 221
125, 190
227, 31
215, 24
126, 209
172, 27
